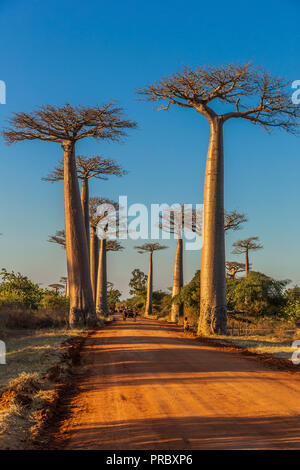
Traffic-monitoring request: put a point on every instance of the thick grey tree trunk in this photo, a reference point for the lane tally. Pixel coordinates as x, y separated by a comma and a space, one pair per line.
148, 308
82, 308
85, 208
101, 297
213, 307
94, 259
177, 309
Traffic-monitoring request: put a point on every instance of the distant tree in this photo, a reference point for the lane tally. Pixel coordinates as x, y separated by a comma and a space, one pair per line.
234, 220
56, 287
18, 289
190, 297
244, 246
232, 268
149, 248
138, 283
66, 125
105, 217
101, 296
113, 297
94, 203
292, 303
249, 93
87, 168
257, 294
59, 238
64, 279
174, 222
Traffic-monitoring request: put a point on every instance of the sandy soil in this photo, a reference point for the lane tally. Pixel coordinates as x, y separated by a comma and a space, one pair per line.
148, 386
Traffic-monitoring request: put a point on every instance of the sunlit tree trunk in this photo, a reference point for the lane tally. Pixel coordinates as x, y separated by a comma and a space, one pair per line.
246, 262
67, 288
213, 308
101, 296
82, 308
148, 309
94, 258
85, 208
177, 309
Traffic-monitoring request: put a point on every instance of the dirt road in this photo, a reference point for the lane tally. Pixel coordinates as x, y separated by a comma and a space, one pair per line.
150, 387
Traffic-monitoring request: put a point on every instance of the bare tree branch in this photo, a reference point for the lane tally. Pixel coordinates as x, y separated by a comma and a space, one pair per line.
254, 94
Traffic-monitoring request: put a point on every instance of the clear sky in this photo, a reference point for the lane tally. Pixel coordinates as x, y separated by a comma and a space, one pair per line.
93, 52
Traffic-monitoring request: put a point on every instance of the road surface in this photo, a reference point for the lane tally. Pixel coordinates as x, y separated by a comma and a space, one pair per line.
148, 386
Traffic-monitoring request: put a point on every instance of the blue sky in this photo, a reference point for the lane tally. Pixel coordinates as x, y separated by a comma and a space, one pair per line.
93, 52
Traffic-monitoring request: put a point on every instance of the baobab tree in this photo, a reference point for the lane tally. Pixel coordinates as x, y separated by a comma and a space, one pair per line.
56, 287
101, 295
94, 203
172, 221
233, 267
244, 246
175, 222
149, 248
64, 279
252, 94
66, 125
87, 168
106, 216
233, 220
59, 238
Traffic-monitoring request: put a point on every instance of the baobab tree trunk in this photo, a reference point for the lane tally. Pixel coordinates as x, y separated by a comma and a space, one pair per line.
213, 308
177, 309
82, 308
67, 288
101, 302
85, 208
246, 262
148, 309
94, 258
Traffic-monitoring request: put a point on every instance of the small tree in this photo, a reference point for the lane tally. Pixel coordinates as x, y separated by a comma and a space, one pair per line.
56, 287
232, 268
113, 296
243, 247
66, 125
138, 283
149, 248
87, 168
18, 289
252, 94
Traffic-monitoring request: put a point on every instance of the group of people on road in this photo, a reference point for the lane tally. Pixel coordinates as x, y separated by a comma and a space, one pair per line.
127, 312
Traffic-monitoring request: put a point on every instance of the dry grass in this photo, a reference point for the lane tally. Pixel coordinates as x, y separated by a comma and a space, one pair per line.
31, 351
265, 344
25, 389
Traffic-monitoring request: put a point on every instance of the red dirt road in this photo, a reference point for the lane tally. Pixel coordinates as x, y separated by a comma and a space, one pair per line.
148, 386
